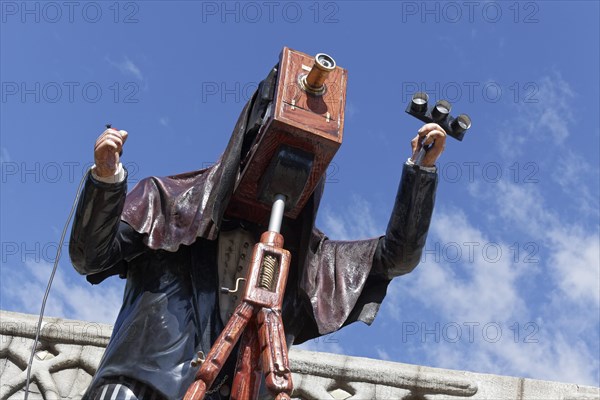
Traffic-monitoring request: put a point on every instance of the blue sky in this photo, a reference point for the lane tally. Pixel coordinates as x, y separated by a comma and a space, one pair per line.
509, 281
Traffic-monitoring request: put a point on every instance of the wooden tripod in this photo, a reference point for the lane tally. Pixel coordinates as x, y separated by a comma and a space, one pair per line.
257, 320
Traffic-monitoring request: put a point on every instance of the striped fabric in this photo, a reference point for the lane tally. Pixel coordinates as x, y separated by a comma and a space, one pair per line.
125, 389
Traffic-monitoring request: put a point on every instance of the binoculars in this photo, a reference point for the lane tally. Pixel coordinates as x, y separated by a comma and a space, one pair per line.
440, 114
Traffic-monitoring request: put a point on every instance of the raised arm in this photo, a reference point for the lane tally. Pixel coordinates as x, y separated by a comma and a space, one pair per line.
399, 251
345, 280
99, 239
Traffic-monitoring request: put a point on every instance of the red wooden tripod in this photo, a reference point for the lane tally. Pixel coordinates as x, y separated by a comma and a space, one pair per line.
302, 132
258, 318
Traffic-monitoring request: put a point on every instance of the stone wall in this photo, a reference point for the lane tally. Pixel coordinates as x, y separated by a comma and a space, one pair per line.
70, 350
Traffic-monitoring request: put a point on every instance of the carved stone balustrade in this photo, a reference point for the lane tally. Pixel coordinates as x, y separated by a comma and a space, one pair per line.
70, 350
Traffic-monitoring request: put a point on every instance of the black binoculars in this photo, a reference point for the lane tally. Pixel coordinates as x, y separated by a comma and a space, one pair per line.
440, 114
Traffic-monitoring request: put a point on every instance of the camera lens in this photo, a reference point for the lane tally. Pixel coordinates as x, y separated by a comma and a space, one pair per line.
314, 82
325, 61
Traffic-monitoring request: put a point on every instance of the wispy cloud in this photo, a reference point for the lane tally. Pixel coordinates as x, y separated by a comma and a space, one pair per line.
547, 308
354, 222
573, 253
545, 118
23, 289
575, 174
565, 303
574, 264
542, 335
481, 285
127, 67
382, 354
4, 156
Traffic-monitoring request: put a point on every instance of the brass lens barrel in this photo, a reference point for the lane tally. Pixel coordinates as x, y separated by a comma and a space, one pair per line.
323, 65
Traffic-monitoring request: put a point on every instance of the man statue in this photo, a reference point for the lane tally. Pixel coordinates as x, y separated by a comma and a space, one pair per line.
170, 238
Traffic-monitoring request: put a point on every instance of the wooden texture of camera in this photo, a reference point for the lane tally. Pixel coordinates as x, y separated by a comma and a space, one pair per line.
303, 130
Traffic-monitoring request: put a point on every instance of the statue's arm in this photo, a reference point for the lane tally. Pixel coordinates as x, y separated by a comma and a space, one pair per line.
399, 251
99, 239
346, 280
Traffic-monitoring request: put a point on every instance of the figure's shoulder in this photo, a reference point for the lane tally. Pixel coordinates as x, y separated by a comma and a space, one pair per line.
169, 182
186, 175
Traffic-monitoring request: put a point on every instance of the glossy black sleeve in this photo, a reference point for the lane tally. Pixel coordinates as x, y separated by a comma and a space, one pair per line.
99, 239
399, 251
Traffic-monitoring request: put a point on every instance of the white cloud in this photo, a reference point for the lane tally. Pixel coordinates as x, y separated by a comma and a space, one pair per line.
4, 156
569, 265
68, 298
522, 206
466, 275
554, 357
354, 222
556, 340
382, 354
543, 116
574, 175
565, 302
573, 253
575, 264
127, 67
552, 114
477, 287
544, 335
164, 121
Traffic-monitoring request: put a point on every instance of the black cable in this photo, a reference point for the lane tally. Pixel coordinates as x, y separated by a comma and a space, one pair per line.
58, 251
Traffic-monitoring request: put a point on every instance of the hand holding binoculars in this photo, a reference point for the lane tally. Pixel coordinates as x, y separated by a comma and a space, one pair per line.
440, 114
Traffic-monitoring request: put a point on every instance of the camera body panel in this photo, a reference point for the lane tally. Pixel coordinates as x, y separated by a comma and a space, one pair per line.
296, 119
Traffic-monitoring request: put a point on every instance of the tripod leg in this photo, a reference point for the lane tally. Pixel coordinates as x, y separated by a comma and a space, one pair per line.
220, 352
278, 376
247, 372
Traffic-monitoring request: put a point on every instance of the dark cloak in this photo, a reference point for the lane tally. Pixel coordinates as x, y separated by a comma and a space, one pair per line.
162, 237
176, 210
